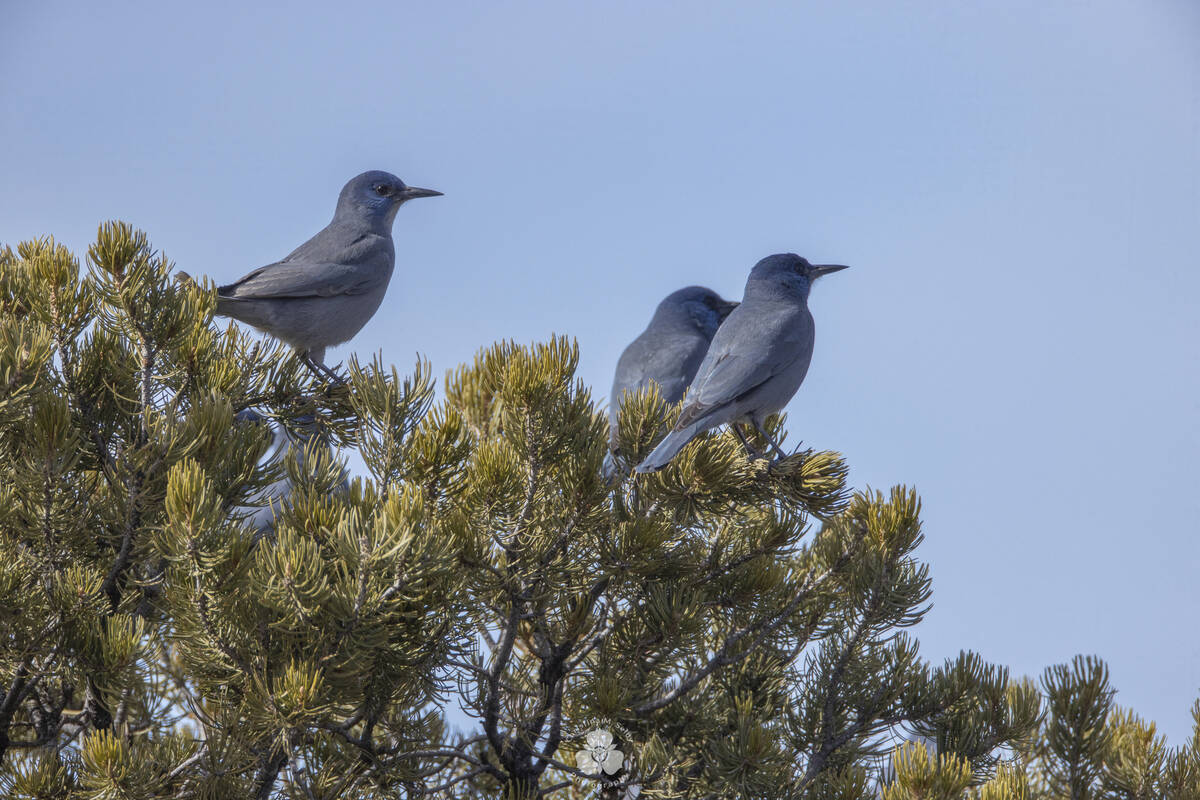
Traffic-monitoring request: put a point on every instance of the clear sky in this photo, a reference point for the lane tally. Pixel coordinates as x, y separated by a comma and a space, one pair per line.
1015, 183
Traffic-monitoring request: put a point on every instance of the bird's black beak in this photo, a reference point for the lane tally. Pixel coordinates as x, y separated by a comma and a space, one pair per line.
412, 192
824, 269
727, 308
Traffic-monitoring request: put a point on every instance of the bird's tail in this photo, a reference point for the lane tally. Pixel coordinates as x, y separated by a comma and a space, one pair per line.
233, 307
247, 311
669, 447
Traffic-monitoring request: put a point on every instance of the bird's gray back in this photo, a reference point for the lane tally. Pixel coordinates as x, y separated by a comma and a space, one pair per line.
344, 242
331, 263
669, 358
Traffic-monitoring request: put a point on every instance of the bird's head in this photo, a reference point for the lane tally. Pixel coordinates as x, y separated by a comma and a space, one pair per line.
279, 437
375, 197
703, 307
790, 271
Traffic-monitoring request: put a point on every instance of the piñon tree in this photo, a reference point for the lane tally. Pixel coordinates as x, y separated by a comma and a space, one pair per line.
479, 614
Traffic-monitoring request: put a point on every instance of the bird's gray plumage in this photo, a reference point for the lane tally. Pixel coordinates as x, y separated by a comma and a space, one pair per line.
323, 292
758, 357
668, 352
267, 504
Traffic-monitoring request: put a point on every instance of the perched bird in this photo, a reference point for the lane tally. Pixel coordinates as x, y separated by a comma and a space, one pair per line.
756, 361
268, 503
327, 288
667, 353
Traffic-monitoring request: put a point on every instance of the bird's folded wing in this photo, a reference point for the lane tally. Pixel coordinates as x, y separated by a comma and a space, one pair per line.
669, 362
740, 360
303, 279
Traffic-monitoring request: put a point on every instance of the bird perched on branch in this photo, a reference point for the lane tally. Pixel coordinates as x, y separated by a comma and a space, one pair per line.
667, 353
325, 291
756, 361
308, 447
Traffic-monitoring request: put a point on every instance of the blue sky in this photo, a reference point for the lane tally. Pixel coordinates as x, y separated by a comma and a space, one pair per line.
1015, 183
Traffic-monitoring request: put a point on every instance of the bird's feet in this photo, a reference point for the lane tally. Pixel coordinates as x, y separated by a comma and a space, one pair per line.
751, 453
780, 458
322, 371
784, 466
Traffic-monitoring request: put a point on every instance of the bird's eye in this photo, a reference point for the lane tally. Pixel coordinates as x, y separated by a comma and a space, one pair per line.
383, 190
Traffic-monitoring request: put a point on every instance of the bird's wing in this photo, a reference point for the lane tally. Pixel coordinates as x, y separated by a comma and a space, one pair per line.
750, 348
304, 279
669, 361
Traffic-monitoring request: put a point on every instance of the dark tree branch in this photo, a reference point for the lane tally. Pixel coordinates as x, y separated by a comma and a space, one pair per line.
12, 699
725, 656
268, 772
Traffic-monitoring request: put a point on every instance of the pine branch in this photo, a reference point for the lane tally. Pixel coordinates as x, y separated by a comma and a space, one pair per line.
441, 787
830, 742
188, 763
8, 707
764, 627
268, 772
491, 718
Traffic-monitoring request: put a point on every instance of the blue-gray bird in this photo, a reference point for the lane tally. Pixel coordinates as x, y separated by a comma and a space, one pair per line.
323, 293
756, 361
268, 503
667, 353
